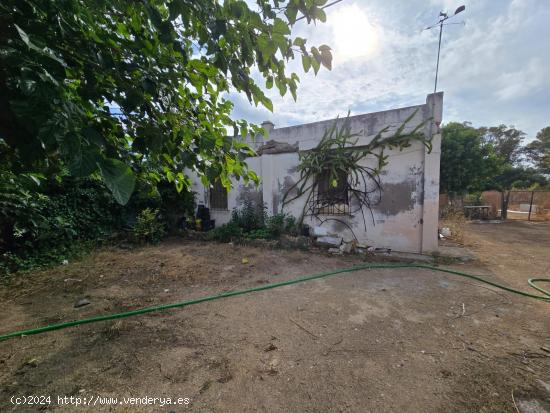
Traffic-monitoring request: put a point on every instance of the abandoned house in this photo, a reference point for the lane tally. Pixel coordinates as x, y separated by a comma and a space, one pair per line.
403, 216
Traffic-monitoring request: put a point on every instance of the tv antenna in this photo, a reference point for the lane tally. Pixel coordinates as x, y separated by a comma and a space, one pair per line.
443, 17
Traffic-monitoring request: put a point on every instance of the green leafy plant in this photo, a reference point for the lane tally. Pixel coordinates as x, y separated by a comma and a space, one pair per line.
276, 225
251, 215
105, 88
251, 222
226, 232
338, 155
47, 223
292, 227
148, 227
262, 233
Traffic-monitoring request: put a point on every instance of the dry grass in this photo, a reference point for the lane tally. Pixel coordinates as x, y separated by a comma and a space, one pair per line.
453, 218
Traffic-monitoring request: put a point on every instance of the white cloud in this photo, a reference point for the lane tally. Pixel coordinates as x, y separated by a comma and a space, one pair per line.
493, 70
523, 82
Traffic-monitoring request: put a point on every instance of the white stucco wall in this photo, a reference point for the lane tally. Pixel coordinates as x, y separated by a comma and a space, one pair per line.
406, 218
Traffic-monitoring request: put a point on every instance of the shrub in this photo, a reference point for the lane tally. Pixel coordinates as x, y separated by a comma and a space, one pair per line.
47, 223
262, 233
250, 216
280, 224
43, 222
173, 206
226, 232
148, 228
291, 226
275, 225
251, 222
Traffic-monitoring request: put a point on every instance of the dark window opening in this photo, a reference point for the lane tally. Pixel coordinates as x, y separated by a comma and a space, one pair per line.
218, 196
330, 199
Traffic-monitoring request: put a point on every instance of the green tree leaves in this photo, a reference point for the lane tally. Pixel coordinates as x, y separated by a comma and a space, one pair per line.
476, 159
538, 151
466, 164
315, 57
138, 87
119, 178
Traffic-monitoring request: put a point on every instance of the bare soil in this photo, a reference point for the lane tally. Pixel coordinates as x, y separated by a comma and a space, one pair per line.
370, 341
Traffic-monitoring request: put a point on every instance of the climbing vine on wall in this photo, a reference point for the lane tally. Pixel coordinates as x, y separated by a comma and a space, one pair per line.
336, 157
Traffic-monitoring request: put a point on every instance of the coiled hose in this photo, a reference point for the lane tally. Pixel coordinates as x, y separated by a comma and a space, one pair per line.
59, 326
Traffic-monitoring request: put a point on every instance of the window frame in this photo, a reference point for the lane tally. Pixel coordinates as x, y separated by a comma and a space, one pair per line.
217, 193
328, 200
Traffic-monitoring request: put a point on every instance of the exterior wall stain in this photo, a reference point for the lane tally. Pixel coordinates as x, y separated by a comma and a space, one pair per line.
282, 189
397, 198
293, 170
275, 199
249, 193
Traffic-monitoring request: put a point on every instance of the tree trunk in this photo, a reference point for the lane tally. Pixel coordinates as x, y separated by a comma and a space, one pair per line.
504, 205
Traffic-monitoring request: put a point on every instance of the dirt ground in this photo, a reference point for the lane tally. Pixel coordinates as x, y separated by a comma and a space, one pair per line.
370, 341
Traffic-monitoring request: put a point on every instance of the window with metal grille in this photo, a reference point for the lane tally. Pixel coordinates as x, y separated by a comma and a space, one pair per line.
218, 196
329, 199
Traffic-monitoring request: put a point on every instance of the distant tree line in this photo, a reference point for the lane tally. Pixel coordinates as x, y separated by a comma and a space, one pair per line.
492, 158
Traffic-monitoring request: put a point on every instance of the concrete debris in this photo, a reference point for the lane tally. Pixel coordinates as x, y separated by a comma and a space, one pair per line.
346, 248
329, 241
446, 232
318, 232
335, 251
82, 302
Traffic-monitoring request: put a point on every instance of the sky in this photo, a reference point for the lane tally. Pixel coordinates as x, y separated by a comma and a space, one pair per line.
494, 68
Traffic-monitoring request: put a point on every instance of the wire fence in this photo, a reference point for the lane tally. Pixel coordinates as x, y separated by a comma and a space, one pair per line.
518, 205
529, 205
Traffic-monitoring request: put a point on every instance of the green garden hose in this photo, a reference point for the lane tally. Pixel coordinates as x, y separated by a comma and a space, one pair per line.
59, 326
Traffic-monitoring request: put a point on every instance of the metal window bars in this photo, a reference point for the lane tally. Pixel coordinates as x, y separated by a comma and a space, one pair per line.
329, 200
218, 196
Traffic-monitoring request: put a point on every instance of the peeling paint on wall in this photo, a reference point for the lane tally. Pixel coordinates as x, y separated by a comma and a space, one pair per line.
397, 197
283, 189
250, 192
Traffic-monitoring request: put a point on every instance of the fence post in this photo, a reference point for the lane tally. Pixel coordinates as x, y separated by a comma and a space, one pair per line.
531, 205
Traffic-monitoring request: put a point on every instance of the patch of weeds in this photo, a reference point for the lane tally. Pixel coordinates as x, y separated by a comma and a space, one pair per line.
443, 259
56, 255
262, 233
250, 223
226, 232
148, 227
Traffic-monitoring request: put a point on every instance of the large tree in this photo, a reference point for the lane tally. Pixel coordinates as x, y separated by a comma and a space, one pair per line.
506, 141
165, 65
467, 162
538, 150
